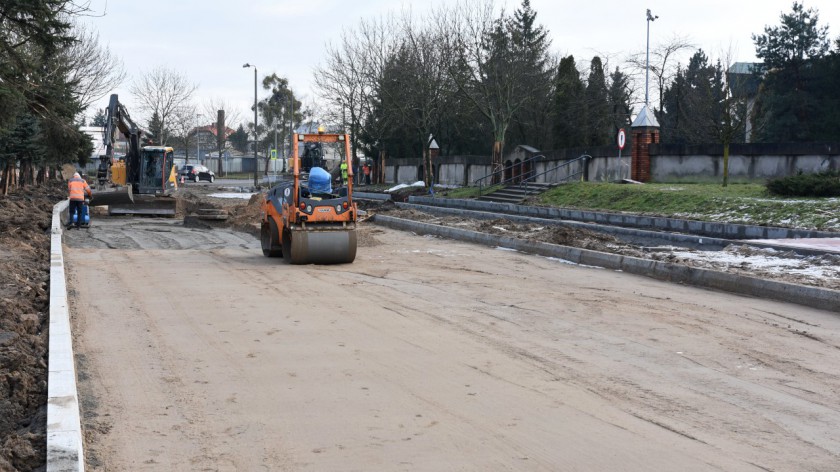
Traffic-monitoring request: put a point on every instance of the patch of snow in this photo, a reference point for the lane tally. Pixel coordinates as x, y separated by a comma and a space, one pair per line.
419, 183
244, 196
765, 262
564, 261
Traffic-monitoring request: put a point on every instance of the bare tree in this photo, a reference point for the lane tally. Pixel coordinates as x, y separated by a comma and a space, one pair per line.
423, 80
487, 69
92, 67
211, 107
162, 91
664, 62
184, 124
349, 81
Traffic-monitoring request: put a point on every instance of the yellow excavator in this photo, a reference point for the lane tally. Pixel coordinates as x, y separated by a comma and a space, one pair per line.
305, 220
138, 183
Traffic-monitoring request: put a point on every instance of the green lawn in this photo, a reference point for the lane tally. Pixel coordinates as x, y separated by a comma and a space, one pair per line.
737, 203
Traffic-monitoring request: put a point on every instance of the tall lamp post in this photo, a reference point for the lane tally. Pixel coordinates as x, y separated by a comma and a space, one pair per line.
198, 138
255, 120
650, 18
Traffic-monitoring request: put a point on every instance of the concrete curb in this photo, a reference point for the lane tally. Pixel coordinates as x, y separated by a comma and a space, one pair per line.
702, 228
814, 297
372, 196
620, 232
64, 430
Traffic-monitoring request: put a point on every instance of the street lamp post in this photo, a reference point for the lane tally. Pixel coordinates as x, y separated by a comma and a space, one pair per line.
650, 18
198, 139
291, 132
255, 120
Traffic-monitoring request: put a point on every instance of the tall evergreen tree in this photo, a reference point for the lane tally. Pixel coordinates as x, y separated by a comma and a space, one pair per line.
619, 100
693, 102
530, 41
99, 119
789, 106
156, 129
239, 139
568, 105
597, 110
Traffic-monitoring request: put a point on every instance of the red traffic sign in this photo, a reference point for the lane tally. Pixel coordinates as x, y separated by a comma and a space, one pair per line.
622, 138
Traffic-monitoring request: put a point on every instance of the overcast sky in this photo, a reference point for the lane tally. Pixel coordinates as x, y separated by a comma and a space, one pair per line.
209, 40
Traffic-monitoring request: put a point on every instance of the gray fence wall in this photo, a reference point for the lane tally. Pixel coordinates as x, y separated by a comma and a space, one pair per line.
669, 163
747, 162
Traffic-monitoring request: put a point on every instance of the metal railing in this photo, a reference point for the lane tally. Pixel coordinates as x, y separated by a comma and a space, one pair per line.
523, 180
480, 181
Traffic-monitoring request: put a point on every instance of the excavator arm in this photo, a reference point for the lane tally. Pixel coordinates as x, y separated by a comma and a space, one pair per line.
117, 119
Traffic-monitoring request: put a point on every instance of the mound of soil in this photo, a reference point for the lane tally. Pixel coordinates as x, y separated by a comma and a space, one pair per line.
25, 219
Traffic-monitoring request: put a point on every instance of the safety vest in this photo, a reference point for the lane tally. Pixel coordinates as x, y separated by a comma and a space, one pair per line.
344, 170
77, 189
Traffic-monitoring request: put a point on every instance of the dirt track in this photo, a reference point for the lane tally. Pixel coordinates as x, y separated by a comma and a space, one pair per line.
196, 353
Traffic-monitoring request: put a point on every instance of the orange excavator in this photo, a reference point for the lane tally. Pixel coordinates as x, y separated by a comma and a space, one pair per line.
305, 220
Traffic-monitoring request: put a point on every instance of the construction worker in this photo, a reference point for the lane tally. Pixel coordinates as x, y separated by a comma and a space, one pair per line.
366, 170
77, 188
343, 168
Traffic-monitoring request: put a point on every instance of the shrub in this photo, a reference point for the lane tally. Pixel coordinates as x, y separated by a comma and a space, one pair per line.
823, 184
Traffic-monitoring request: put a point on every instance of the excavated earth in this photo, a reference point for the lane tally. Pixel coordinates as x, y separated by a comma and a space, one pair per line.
24, 320
24, 286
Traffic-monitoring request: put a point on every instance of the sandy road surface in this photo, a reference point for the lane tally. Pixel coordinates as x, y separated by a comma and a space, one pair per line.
196, 353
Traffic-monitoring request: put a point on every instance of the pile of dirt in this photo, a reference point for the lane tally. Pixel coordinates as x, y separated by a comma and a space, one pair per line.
25, 218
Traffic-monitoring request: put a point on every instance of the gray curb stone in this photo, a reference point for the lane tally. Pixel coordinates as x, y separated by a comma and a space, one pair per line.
814, 297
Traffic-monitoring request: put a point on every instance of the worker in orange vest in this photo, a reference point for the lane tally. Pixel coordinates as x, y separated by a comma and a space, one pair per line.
77, 187
366, 170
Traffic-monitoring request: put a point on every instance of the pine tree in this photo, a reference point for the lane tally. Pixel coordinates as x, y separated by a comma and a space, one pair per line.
788, 108
597, 118
530, 42
568, 105
155, 129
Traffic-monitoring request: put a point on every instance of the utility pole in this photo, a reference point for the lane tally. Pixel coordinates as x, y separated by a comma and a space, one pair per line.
256, 164
650, 18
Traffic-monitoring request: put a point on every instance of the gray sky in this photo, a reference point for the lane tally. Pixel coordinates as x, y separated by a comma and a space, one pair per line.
209, 40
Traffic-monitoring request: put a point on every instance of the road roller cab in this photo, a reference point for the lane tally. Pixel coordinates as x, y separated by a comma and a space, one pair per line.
307, 221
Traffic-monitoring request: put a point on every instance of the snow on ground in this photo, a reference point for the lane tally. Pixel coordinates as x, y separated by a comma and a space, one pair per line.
244, 196
765, 261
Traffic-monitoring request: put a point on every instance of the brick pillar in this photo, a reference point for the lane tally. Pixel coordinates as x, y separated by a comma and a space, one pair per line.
645, 131
643, 137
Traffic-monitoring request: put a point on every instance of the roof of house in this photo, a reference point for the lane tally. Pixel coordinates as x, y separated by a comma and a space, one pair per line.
212, 129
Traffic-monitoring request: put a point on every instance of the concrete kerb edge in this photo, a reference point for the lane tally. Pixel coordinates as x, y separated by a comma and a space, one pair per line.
716, 230
65, 447
371, 196
813, 297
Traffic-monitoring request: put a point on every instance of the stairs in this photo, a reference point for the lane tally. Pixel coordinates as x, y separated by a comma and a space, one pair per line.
516, 193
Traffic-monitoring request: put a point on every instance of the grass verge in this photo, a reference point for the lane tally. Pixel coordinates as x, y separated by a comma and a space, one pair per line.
736, 203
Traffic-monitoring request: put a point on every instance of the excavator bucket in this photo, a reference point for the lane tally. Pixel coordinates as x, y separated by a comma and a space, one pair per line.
121, 196
124, 202
148, 205
321, 247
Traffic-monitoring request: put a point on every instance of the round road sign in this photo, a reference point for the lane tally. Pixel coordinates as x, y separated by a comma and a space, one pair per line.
621, 138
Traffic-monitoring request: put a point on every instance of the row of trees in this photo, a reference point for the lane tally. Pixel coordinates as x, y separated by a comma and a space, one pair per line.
51, 70
476, 79
470, 77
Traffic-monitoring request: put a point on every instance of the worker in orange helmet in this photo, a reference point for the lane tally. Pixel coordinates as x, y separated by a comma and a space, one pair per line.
77, 187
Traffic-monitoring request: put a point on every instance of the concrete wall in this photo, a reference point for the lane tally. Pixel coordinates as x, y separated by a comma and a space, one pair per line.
669, 163
747, 162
